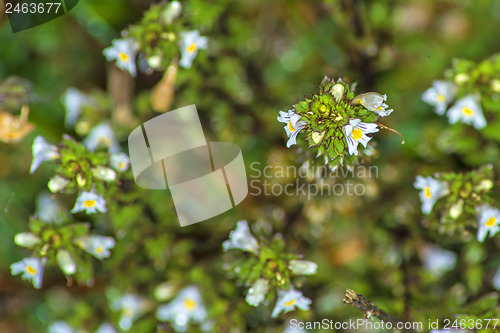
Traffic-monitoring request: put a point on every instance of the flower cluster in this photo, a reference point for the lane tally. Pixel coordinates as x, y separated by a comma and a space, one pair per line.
466, 205
335, 122
268, 268
469, 87
63, 242
157, 40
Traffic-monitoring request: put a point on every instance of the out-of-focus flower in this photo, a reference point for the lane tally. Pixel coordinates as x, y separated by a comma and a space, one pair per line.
124, 52
438, 261
440, 95
288, 300
48, 209
241, 238
294, 329
106, 328
257, 292
102, 135
374, 102
293, 125
73, 101
104, 173
356, 132
496, 279
31, 268
90, 202
119, 162
60, 327
13, 129
66, 262
98, 246
431, 190
172, 11
467, 110
189, 44
489, 221
57, 183
131, 307
187, 306
303, 267
26, 239
42, 151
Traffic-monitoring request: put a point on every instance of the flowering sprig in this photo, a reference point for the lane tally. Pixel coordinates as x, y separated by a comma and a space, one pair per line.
461, 202
470, 94
61, 244
335, 122
268, 269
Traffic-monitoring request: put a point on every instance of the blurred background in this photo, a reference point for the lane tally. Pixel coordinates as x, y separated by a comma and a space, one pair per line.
262, 57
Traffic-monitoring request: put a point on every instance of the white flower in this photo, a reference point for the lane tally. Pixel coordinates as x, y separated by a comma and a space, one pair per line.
293, 125
257, 292
101, 135
48, 209
57, 183
431, 190
124, 52
356, 132
119, 162
189, 43
106, 328
489, 221
303, 267
467, 110
90, 202
440, 95
288, 300
186, 307
172, 11
98, 246
65, 262
375, 102
73, 101
32, 269
103, 173
60, 327
496, 279
438, 261
26, 239
131, 307
42, 151
241, 238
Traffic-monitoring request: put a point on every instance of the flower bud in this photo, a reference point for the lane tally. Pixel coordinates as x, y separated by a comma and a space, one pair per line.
80, 180
57, 183
172, 11
257, 292
461, 78
456, 209
495, 85
303, 267
338, 91
26, 239
104, 173
317, 136
65, 262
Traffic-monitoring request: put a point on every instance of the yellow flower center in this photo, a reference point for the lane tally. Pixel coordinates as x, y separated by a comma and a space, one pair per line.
491, 222
30, 270
89, 203
123, 56
322, 108
467, 112
357, 134
292, 302
427, 192
121, 165
98, 250
441, 98
191, 48
290, 127
189, 304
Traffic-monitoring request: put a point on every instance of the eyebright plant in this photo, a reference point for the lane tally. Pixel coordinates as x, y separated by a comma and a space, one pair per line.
336, 123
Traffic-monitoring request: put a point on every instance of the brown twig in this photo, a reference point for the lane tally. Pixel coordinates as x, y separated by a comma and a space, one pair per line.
370, 309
